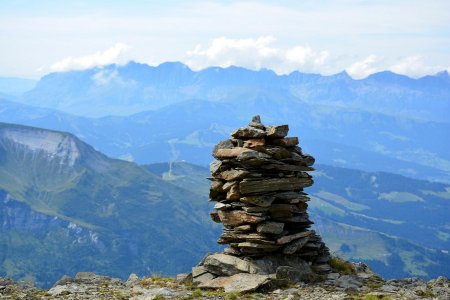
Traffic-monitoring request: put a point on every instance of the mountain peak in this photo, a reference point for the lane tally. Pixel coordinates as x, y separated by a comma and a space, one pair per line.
443, 74
173, 65
53, 143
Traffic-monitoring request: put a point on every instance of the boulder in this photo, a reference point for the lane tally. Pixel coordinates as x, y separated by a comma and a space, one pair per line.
238, 282
276, 132
238, 217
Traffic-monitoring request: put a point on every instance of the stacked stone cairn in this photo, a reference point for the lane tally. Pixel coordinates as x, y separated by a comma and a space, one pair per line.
258, 179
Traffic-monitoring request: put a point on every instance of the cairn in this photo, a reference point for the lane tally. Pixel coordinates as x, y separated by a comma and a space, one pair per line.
257, 181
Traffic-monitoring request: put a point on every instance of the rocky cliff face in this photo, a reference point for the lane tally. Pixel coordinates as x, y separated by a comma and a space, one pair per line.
54, 145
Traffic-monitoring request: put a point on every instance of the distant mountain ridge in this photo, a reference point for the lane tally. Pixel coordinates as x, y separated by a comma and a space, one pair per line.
187, 131
135, 87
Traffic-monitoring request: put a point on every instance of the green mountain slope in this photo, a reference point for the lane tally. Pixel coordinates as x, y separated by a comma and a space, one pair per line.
400, 226
81, 210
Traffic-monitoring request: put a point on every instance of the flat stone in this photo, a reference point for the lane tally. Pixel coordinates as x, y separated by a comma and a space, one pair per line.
277, 152
255, 209
197, 271
222, 206
248, 132
243, 228
232, 251
308, 159
184, 277
233, 237
231, 175
238, 217
205, 277
349, 283
286, 239
273, 185
215, 166
270, 227
279, 131
230, 153
300, 274
300, 218
254, 245
225, 144
286, 196
279, 166
268, 264
223, 264
295, 245
254, 142
65, 279
286, 142
263, 201
252, 155
238, 282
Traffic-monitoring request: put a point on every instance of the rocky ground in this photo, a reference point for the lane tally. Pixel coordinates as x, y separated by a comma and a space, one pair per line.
359, 285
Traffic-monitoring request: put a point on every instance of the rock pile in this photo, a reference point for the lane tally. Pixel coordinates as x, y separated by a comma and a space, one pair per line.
257, 181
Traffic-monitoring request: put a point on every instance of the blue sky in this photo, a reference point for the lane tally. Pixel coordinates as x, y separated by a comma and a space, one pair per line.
361, 37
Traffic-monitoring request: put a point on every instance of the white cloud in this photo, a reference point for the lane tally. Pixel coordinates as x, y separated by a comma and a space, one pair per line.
112, 55
257, 53
364, 68
414, 66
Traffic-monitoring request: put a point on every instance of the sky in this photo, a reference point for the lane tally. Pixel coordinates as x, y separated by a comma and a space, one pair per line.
315, 36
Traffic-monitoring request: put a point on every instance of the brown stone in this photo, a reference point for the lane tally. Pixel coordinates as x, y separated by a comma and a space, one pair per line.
286, 142
279, 131
288, 238
270, 227
248, 132
225, 144
252, 155
232, 237
255, 209
233, 193
273, 185
229, 153
278, 152
243, 228
215, 217
263, 201
227, 186
231, 175
254, 142
295, 245
239, 282
238, 217
254, 245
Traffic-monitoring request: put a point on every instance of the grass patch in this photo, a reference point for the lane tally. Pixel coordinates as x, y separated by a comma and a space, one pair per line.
232, 296
341, 266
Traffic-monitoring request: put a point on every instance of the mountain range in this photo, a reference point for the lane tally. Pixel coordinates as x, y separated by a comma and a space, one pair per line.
385, 122
66, 207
